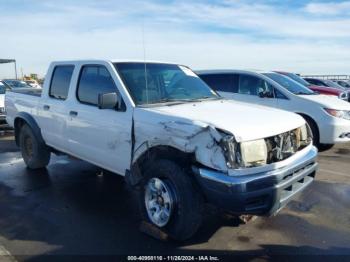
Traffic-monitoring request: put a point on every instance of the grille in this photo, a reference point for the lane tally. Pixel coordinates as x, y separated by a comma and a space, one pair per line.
284, 145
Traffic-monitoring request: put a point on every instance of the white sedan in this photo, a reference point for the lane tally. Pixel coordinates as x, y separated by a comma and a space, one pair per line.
328, 117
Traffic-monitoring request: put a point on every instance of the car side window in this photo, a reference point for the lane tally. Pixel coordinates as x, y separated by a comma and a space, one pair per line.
279, 95
94, 80
60, 81
2, 89
252, 85
221, 82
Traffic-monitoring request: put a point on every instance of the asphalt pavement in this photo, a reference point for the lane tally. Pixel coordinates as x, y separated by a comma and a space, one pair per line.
74, 208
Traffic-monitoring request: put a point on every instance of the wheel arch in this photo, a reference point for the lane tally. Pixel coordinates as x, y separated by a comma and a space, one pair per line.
157, 152
307, 117
25, 118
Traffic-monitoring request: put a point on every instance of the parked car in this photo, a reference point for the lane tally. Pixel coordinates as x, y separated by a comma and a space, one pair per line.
33, 83
14, 84
2, 103
177, 142
328, 117
324, 90
343, 83
324, 82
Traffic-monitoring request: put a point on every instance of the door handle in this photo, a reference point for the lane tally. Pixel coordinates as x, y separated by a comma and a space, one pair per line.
46, 107
73, 113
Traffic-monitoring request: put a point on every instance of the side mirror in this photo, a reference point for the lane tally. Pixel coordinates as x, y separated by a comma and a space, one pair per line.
107, 101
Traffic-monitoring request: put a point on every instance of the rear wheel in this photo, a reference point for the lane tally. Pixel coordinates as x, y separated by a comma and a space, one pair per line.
169, 200
35, 153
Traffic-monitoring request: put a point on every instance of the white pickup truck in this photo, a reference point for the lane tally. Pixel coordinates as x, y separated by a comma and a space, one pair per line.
178, 144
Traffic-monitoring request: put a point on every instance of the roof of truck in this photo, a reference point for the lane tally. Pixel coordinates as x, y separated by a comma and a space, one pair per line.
112, 61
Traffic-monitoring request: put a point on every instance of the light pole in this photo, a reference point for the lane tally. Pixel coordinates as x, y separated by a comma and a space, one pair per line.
15, 68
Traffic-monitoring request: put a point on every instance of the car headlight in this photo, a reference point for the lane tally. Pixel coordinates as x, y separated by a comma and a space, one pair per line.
338, 113
343, 96
245, 154
253, 153
2, 110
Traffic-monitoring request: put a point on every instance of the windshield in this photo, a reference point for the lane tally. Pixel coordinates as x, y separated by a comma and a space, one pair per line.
333, 84
16, 84
344, 84
298, 79
165, 83
2, 88
291, 85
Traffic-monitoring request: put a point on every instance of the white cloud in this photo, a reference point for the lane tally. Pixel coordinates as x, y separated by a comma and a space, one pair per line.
328, 8
241, 35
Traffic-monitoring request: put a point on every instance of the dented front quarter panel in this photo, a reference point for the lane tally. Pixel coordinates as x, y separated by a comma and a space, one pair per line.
153, 129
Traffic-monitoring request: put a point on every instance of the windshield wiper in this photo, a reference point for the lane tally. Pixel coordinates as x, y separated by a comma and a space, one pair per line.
199, 99
303, 93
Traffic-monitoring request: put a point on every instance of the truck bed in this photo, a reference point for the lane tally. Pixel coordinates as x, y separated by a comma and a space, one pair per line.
28, 91
21, 100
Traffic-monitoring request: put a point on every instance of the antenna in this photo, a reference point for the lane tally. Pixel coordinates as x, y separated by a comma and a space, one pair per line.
144, 57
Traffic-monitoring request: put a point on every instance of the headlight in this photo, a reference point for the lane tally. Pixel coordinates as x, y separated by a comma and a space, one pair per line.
254, 153
229, 146
245, 154
2, 110
338, 113
343, 96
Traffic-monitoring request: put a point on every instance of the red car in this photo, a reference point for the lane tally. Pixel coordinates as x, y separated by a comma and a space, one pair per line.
324, 90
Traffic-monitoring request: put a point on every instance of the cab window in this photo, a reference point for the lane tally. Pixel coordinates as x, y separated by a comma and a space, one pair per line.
94, 80
60, 81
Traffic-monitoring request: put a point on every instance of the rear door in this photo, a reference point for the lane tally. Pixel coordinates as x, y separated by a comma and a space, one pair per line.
54, 109
102, 137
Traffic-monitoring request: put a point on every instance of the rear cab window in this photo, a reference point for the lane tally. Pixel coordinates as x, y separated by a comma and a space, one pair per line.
60, 81
2, 88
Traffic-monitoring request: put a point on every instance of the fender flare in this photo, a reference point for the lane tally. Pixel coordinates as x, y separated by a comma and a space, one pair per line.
25, 118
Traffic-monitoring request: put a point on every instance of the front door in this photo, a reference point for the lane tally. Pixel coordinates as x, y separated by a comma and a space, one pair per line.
252, 89
100, 136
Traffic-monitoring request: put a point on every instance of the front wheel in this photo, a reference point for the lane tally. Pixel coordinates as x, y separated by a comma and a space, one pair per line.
325, 147
169, 200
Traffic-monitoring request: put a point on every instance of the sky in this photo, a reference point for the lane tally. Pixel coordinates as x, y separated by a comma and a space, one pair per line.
309, 37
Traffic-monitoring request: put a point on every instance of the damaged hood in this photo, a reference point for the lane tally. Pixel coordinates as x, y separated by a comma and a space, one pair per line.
245, 121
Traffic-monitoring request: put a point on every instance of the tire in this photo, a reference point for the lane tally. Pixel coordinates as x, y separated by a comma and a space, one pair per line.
35, 154
314, 130
185, 212
316, 135
324, 147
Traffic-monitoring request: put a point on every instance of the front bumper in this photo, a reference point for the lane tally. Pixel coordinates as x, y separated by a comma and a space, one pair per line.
338, 131
258, 194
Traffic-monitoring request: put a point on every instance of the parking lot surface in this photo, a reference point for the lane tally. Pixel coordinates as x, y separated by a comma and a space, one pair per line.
73, 208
